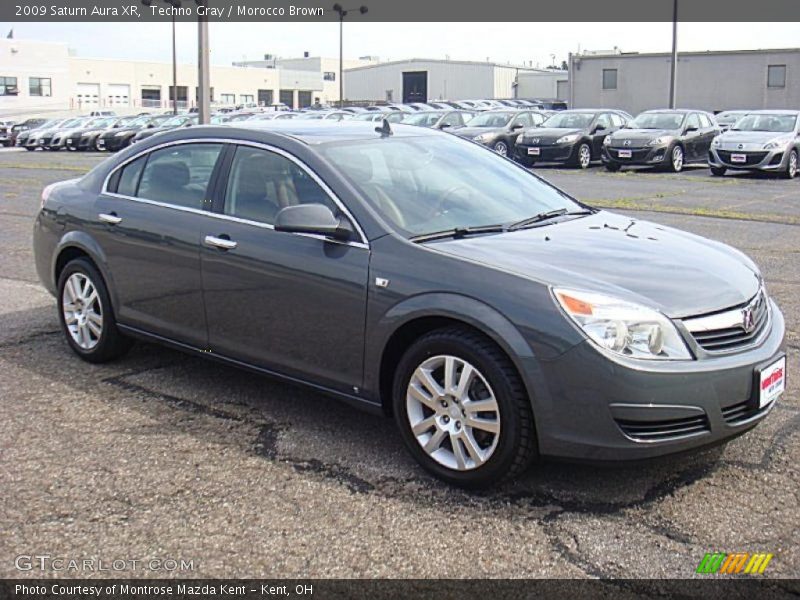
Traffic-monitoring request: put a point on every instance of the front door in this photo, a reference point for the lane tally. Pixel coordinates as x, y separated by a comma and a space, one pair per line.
415, 86
282, 301
149, 225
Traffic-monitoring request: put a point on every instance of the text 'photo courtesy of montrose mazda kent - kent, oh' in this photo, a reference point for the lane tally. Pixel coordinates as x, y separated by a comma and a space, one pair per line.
421, 275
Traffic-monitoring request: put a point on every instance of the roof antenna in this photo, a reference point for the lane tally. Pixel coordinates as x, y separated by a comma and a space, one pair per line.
385, 130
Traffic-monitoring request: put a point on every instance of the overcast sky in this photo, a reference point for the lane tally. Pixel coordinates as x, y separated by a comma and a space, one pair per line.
501, 42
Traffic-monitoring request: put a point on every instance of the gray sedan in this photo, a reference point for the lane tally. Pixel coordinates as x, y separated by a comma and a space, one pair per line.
413, 274
763, 140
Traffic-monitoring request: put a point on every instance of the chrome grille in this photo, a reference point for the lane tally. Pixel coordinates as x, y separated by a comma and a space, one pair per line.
738, 413
661, 431
732, 329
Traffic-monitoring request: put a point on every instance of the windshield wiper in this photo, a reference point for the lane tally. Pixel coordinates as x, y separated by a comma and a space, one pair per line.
457, 233
546, 216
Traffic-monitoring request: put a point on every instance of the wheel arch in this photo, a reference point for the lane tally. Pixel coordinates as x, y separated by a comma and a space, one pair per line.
413, 318
78, 244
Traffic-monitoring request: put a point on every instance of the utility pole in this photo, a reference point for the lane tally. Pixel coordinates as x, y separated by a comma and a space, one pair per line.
674, 64
342, 14
203, 69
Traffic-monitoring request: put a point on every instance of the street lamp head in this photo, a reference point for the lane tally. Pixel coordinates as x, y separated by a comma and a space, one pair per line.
337, 7
147, 2
173, 3
363, 10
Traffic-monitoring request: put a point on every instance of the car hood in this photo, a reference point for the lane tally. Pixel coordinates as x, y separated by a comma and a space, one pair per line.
471, 132
753, 137
678, 273
113, 132
642, 134
551, 132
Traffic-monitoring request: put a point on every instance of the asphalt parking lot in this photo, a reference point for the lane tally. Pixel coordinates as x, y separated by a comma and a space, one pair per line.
165, 455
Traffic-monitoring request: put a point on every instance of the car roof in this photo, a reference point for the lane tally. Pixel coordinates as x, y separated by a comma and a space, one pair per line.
317, 132
774, 111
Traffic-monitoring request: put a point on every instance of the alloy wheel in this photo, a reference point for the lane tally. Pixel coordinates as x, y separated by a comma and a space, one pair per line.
792, 168
677, 159
584, 156
501, 148
83, 311
453, 412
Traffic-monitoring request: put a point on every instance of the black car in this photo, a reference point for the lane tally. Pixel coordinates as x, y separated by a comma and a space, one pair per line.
117, 139
438, 119
498, 129
665, 138
414, 274
574, 137
86, 139
23, 127
173, 122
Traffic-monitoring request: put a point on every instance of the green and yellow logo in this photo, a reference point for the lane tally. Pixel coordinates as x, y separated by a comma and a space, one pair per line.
737, 562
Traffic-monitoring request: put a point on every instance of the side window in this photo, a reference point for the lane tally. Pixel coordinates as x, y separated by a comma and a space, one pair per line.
129, 177
604, 120
617, 120
452, 119
538, 118
524, 119
705, 121
261, 183
179, 174
693, 121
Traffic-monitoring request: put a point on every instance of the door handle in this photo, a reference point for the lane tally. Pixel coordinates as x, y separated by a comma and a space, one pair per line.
221, 243
111, 219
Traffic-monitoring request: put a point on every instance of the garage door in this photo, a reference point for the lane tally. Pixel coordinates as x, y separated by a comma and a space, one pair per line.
118, 94
88, 95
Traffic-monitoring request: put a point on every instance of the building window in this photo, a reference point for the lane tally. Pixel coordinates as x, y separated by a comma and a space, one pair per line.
8, 86
329, 76
197, 94
776, 76
246, 98
286, 97
609, 79
39, 86
227, 98
183, 93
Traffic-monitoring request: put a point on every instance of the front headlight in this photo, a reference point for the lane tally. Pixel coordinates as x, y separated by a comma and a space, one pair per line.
716, 143
484, 137
623, 327
520, 138
567, 138
774, 144
607, 140
659, 141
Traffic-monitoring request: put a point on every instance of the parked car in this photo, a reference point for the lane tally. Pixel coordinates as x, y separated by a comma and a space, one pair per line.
172, 123
438, 119
496, 318
60, 136
727, 118
763, 140
394, 116
548, 103
24, 126
86, 138
5, 132
43, 136
325, 115
574, 137
116, 140
666, 138
498, 129
269, 116
102, 113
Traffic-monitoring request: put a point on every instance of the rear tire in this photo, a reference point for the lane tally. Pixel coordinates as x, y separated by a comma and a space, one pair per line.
86, 315
791, 166
718, 171
461, 448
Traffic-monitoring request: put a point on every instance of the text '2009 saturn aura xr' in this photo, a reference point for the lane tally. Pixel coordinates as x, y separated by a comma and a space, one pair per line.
415, 273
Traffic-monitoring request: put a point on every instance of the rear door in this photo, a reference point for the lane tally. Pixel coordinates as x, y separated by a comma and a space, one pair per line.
149, 221
286, 302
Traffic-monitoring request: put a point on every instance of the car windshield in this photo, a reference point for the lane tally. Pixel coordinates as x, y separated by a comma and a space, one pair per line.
424, 119
175, 121
366, 117
74, 122
427, 184
771, 122
657, 121
101, 123
569, 120
490, 119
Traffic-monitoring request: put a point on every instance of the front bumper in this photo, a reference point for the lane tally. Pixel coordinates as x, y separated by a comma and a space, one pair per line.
79, 143
589, 406
646, 155
547, 153
755, 160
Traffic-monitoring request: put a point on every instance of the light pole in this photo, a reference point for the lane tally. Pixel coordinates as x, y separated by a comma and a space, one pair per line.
174, 4
203, 69
674, 65
342, 14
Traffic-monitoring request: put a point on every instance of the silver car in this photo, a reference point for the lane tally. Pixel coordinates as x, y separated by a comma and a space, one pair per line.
763, 140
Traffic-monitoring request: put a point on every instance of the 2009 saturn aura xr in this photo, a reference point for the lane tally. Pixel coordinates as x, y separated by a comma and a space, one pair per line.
412, 272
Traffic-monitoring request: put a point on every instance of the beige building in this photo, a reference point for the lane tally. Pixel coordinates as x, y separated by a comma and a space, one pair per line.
46, 78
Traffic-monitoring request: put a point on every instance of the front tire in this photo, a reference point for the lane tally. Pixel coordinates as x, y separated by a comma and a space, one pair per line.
583, 156
613, 167
501, 148
86, 316
462, 409
718, 171
676, 159
791, 166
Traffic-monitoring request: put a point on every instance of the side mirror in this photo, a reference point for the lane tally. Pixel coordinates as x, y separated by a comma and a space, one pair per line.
313, 218
444, 125
516, 126
690, 129
599, 128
